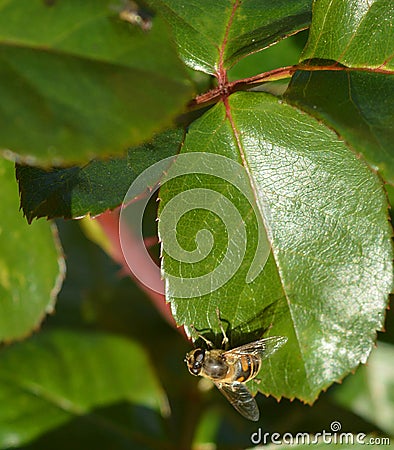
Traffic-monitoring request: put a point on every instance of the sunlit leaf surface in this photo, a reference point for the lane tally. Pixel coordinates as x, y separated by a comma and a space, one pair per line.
356, 33
213, 36
326, 281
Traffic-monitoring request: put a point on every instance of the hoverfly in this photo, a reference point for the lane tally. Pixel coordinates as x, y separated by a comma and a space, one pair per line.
230, 369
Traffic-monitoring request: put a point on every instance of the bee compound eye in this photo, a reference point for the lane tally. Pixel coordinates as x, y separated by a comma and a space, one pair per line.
194, 361
199, 355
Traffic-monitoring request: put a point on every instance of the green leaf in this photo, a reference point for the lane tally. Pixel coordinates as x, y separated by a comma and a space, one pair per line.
27, 289
370, 392
93, 188
78, 82
326, 282
284, 53
212, 36
361, 111
60, 375
353, 32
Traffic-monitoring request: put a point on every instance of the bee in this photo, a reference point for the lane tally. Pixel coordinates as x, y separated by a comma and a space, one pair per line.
230, 369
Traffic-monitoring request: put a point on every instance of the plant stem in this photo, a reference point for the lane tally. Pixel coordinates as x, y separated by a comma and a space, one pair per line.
225, 89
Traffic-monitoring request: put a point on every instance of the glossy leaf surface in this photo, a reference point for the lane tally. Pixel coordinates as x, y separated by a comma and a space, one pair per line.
356, 33
31, 267
78, 82
326, 281
212, 36
361, 111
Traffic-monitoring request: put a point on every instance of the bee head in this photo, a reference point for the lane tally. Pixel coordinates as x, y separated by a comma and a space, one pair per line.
194, 361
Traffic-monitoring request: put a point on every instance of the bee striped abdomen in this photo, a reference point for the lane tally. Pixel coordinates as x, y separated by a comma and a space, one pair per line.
247, 367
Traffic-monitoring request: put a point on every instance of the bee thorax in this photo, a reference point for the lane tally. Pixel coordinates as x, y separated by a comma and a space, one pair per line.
215, 368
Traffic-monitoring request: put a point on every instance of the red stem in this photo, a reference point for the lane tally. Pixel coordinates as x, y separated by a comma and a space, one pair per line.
226, 88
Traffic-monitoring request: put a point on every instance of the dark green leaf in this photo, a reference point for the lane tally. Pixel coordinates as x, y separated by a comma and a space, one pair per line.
284, 53
60, 375
123, 426
355, 33
91, 189
31, 268
78, 82
326, 282
213, 36
361, 111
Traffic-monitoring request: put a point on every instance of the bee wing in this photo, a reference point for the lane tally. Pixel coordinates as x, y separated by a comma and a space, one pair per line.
240, 397
263, 347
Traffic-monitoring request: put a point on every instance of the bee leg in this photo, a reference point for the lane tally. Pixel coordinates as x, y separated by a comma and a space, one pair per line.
207, 341
225, 338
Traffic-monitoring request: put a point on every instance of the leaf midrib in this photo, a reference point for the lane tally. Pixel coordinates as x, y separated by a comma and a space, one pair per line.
254, 190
